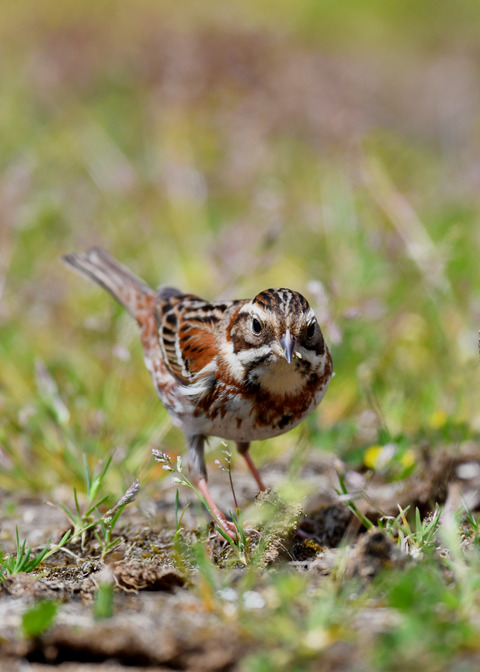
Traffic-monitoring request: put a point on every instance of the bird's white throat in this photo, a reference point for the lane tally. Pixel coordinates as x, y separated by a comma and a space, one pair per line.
280, 377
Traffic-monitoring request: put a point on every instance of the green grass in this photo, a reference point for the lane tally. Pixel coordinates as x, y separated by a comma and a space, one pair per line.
175, 136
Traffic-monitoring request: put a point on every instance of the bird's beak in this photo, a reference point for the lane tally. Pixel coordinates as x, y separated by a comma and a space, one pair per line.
287, 342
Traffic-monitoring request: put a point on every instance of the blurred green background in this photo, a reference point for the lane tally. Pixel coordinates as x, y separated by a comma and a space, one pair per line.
225, 148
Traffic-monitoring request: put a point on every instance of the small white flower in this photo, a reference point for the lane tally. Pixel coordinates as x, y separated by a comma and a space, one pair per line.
160, 457
228, 594
253, 600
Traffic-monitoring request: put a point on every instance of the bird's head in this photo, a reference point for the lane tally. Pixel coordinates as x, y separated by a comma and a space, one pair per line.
277, 340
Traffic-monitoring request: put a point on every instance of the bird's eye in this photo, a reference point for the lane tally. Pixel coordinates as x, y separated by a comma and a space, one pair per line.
256, 326
311, 330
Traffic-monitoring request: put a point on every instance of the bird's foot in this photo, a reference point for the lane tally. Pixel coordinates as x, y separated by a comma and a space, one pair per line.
220, 518
227, 526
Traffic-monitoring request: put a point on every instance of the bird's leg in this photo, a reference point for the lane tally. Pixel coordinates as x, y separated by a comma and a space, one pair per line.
196, 459
243, 450
227, 525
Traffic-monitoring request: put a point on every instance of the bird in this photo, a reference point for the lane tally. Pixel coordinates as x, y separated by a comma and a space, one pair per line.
242, 370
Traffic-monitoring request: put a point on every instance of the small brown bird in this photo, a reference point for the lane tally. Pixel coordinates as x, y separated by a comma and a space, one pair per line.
241, 370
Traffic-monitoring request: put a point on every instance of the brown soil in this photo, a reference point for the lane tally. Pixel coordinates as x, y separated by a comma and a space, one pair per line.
165, 616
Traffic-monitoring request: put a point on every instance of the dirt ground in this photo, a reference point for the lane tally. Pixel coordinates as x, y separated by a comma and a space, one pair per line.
163, 619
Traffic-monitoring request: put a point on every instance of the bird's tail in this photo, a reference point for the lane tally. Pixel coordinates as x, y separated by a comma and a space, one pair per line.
129, 290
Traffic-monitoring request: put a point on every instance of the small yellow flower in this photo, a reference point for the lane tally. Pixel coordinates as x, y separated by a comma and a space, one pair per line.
408, 458
379, 457
438, 419
370, 459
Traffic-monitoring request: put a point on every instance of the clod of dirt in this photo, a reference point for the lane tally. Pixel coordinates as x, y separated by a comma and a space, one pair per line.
179, 640
134, 576
20, 585
58, 587
372, 552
